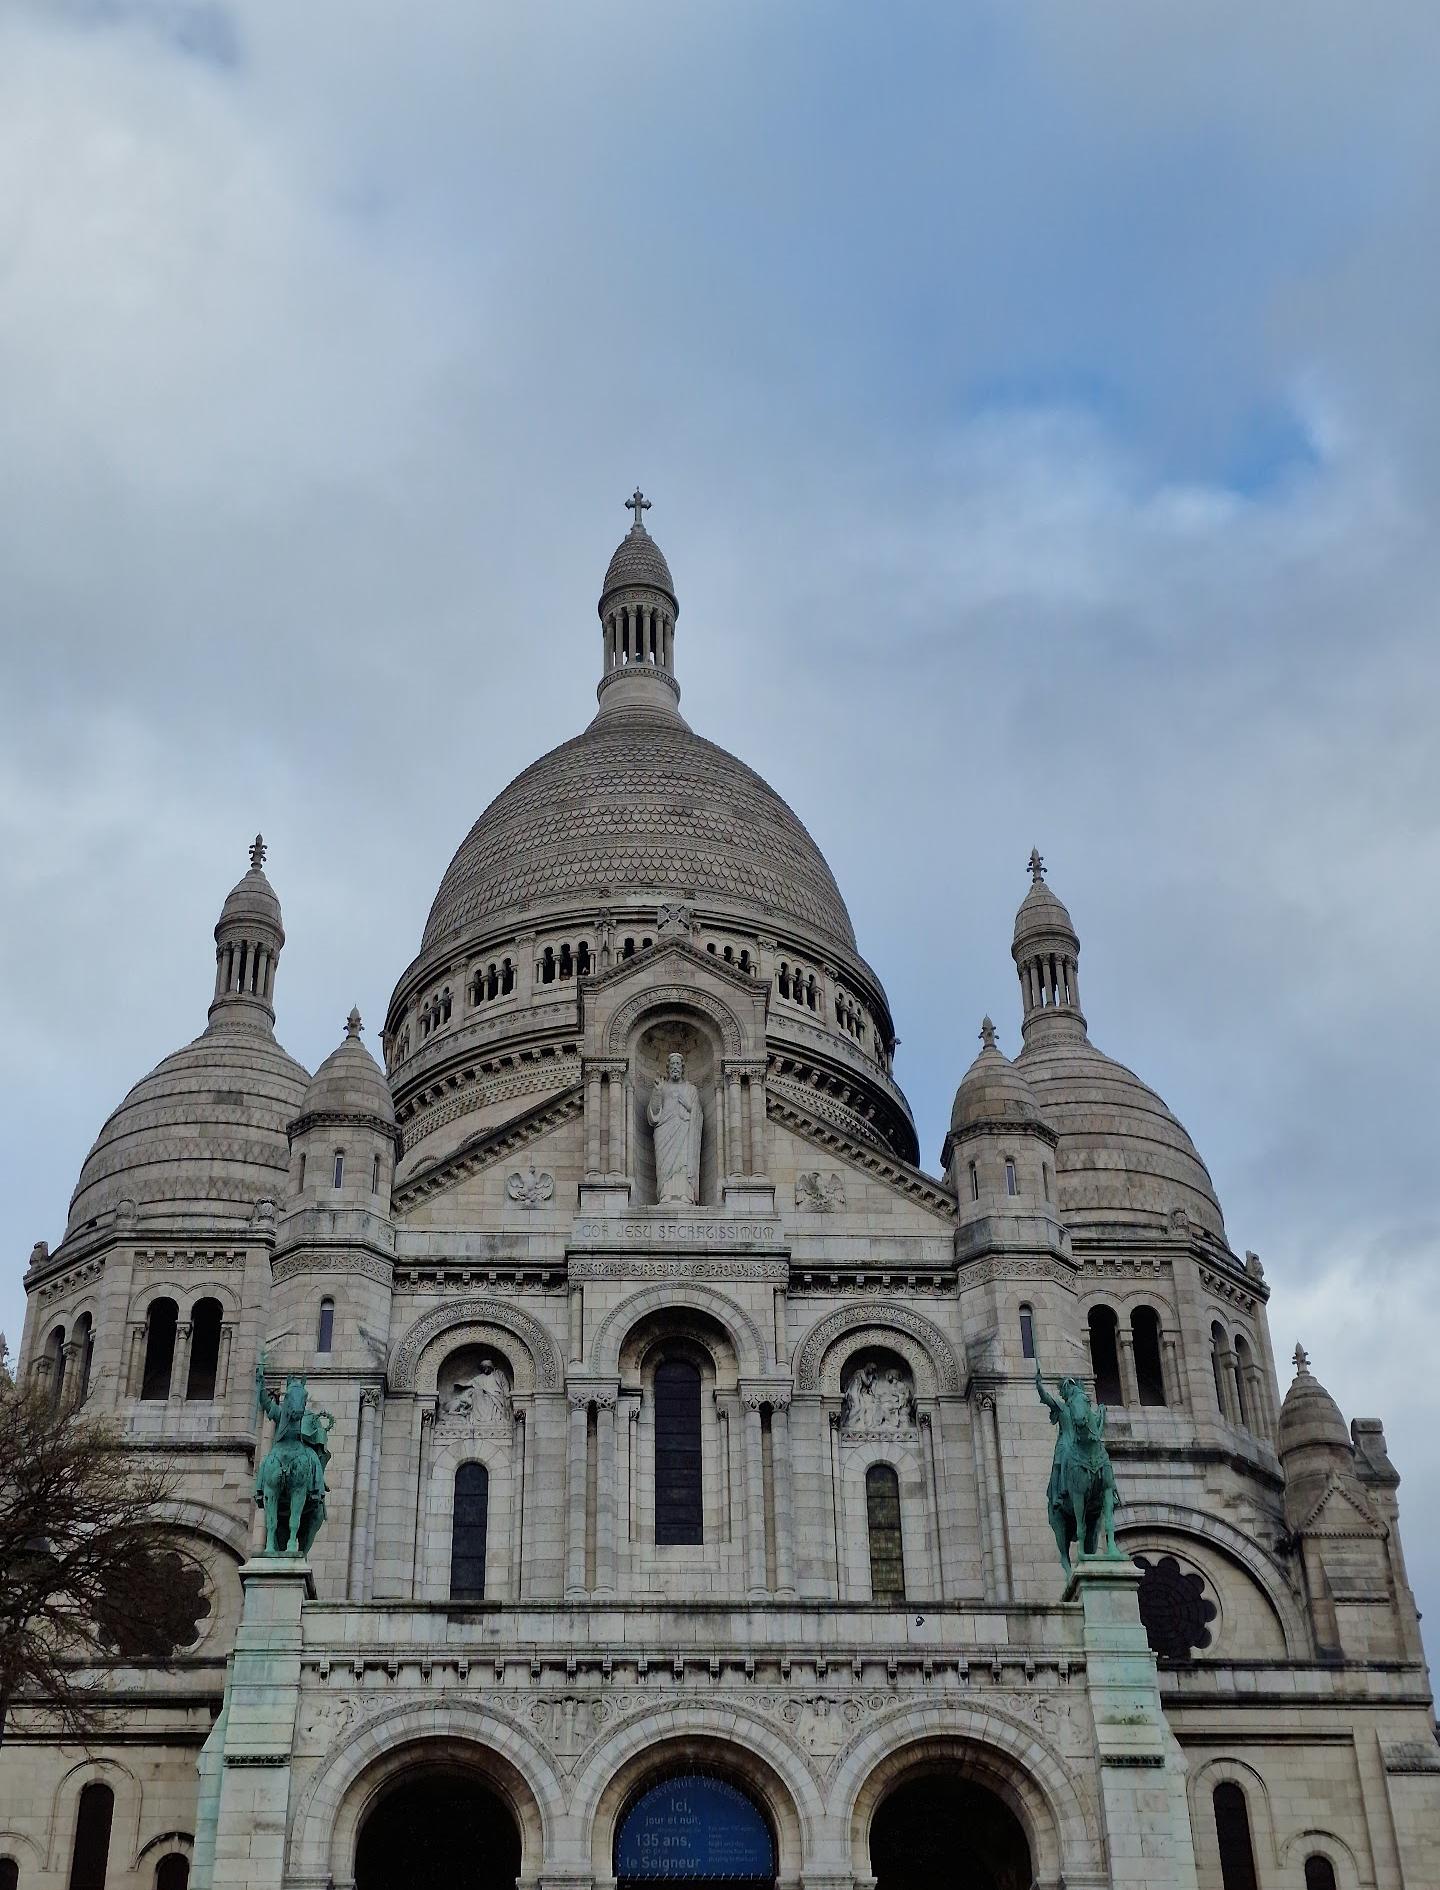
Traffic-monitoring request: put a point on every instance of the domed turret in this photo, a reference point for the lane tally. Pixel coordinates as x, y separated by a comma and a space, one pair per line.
1313, 1443
203, 1135
248, 941
638, 610
999, 1149
344, 1142
1122, 1155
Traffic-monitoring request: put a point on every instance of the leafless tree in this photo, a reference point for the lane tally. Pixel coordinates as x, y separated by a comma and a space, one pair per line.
91, 1571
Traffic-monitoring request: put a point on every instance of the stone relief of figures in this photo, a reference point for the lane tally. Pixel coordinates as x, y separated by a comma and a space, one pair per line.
878, 1400
675, 1116
480, 1397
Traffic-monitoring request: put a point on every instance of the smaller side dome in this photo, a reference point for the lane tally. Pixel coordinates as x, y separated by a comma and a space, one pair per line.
993, 1094
349, 1086
1310, 1417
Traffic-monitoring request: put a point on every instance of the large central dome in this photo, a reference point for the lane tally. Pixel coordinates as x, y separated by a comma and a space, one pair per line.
638, 805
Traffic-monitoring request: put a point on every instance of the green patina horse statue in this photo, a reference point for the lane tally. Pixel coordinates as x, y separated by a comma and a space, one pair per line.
1081, 1496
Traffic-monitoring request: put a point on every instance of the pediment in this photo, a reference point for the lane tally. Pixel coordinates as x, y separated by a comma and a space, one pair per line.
674, 973
508, 1145
1341, 1511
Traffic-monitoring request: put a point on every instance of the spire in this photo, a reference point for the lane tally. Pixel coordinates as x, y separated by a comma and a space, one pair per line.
987, 1033
353, 1026
248, 942
1302, 1361
1046, 951
638, 610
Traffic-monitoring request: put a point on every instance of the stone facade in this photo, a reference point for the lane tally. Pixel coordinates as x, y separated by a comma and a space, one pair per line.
463, 1255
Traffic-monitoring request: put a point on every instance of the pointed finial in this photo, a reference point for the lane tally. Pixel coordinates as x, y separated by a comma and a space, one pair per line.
257, 853
352, 1023
1037, 867
1302, 1360
987, 1033
638, 504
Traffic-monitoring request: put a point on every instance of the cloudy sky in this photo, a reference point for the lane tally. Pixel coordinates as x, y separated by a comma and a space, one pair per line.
1040, 411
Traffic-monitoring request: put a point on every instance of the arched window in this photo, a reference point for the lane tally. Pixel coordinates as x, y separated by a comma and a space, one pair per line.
1149, 1369
91, 1855
173, 1873
887, 1550
1242, 1380
784, 979
55, 1352
337, 1177
1027, 1332
582, 958
9, 1874
159, 1349
744, 961
375, 1174
1319, 1873
205, 1319
467, 1536
325, 1331
567, 962
507, 978
84, 1336
1012, 1185
1105, 1355
679, 1511
1218, 1349
974, 1182
1232, 1833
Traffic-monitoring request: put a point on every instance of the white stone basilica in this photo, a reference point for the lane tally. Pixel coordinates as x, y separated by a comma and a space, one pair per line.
687, 1487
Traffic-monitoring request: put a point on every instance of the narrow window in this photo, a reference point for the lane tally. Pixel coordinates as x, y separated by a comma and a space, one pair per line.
172, 1873
337, 1179
582, 959
567, 962
205, 1320
467, 1538
507, 978
159, 1349
628, 950
301, 1182
1045, 1178
375, 1174
1149, 1371
887, 1553
445, 1005
784, 980
9, 1874
974, 1182
1319, 1873
92, 1838
1217, 1366
744, 961
85, 1339
1242, 1381
679, 1516
1105, 1355
55, 1352
547, 966
325, 1331
1232, 1830
1012, 1186
1027, 1332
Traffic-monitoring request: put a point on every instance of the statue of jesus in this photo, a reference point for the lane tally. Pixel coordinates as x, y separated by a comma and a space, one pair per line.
675, 1116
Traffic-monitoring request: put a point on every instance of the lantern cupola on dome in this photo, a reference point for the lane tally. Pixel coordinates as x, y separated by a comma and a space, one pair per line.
638, 610
248, 941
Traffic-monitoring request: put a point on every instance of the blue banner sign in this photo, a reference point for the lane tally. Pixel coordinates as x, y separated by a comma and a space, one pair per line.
694, 1828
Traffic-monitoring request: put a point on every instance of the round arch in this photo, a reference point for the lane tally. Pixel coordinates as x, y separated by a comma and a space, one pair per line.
451, 1324
923, 1345
661, 1741
977, 1745
1201, 1784
673, 998
1217, 1535
410, 1739
615, 1328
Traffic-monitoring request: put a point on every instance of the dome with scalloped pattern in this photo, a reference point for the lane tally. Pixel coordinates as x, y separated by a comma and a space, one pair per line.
638, 806
638, 560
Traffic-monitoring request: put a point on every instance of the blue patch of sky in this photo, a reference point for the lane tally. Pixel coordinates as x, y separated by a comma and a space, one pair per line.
196, 29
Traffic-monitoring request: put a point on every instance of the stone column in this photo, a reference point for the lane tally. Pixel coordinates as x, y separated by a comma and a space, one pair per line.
1142, 1770
425, 1423
754, 1501
1256, 1402
607, 1493
987, 1476
575, 1493
135, 1361
932, 1483
734, 1134
1174, 1377
360, 1509
784, 1497
1129, 1383
222, 1369
592, 1121
180, 1362
1230, 1378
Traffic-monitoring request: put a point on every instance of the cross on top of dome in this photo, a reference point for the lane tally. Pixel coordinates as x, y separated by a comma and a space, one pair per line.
638, 504
258, 850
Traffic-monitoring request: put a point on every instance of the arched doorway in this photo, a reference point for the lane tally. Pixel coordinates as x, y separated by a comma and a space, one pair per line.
941, 1828
443, 1827
694, 1828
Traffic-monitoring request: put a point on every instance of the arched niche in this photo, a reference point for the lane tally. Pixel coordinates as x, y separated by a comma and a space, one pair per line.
655, 1038
416, 1359
824, 1355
